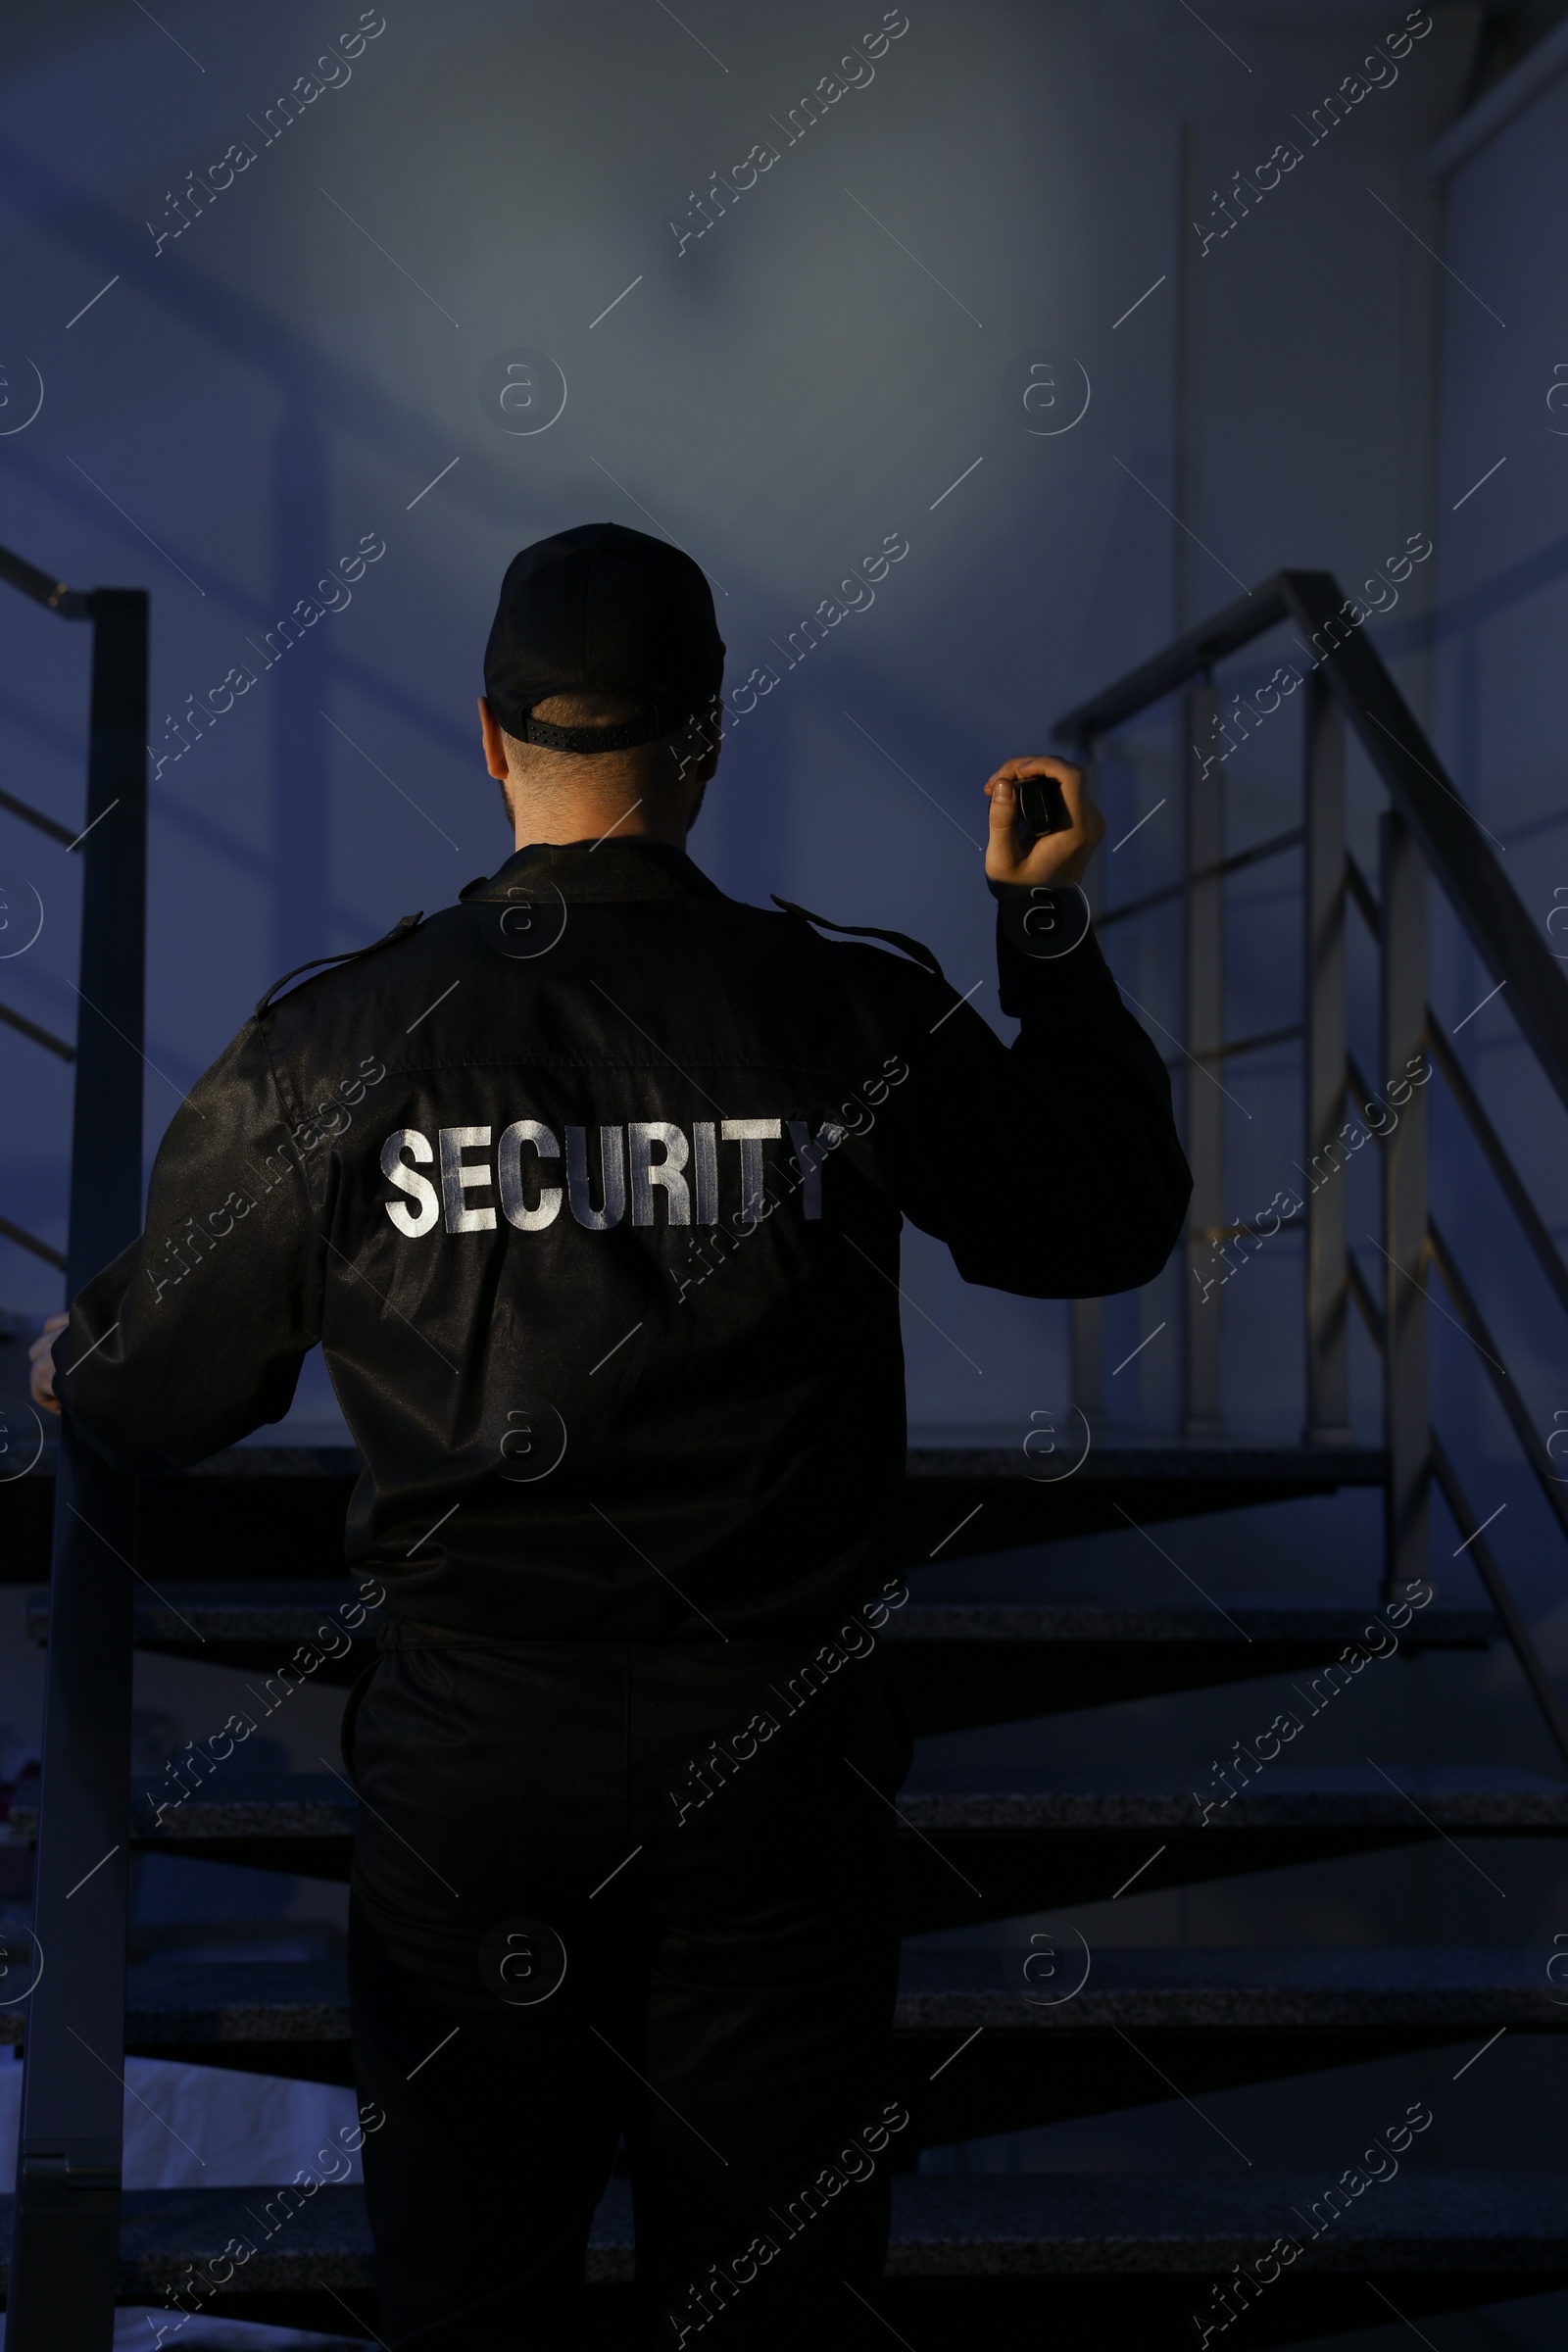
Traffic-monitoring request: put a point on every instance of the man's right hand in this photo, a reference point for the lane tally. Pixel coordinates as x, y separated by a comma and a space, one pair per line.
1052, 857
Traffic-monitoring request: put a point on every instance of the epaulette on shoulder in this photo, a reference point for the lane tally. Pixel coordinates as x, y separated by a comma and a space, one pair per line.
402, 929
900, 939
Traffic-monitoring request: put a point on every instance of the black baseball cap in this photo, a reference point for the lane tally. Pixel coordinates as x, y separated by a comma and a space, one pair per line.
600, 610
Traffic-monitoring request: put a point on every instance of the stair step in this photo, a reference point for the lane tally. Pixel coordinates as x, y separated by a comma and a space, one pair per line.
1461, 1988
268, 2017
275, 1510
983, 1841
263, 1510
1122, 2026
957, 1664
972, 2247
990, 1841
302, 1822
174, 2002
1498, 1799
1229, 1987
1173, 1479
1189, 2225
1032, 2053
254, 1624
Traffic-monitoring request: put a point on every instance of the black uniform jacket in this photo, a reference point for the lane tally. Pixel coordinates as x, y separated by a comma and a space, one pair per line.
591, 1187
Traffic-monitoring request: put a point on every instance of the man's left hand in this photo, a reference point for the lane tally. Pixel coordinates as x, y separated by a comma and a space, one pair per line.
1051, 857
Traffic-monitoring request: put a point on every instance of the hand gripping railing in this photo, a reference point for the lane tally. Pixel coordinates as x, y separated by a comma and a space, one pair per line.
65, 2236
1426, 829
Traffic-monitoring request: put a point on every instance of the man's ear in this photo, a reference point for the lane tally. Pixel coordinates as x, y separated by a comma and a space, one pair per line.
696, 751
495, 750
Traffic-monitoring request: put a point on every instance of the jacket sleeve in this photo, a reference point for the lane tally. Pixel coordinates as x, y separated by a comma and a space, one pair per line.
194, 1336
1051, 1166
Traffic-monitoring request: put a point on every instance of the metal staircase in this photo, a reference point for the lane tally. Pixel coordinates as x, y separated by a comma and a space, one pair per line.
245, 1555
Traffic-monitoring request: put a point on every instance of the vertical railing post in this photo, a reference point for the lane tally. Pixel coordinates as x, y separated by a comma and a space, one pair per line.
1328, 1356
1085, 1332
1205, 957
1086, 1317
65, 2236
1408, 1533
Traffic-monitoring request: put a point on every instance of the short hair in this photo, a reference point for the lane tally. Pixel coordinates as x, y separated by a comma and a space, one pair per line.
661, 761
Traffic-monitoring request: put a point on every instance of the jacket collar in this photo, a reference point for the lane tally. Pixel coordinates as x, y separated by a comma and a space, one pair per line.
607, 870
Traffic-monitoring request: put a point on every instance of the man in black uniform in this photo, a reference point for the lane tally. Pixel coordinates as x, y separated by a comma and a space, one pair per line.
590, 1188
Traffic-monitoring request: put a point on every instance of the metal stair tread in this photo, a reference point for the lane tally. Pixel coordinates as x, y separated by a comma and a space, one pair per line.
1263, 1620
1233, 1986
1192, 2223
989, 1456
282, 1609
946, 2225
189, 1611
1474, 1797
1470, 1988
1198, 1459
1104, 1796
276, 1804
170, 2001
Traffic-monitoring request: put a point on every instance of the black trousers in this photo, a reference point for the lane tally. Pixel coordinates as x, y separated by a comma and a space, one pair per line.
723, 1900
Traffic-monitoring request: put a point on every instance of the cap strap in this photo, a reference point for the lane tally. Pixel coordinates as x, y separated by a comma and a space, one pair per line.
622, 738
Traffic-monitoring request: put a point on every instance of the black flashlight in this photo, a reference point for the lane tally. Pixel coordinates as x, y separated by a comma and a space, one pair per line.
1042, 805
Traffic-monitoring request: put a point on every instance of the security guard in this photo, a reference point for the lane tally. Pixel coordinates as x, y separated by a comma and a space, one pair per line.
590, 1186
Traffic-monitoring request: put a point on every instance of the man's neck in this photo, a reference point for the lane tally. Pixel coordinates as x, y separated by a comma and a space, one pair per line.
595, 821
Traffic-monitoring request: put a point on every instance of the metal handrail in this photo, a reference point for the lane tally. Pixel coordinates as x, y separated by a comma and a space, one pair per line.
37, 817
1427, 829
1497, 1157
1362, 897
1493, 1150
66, 2219
71, 604
1257, 1043
1371, 1313
30, 1241
1449, 839
1471, 1320
1475, 1326
1530, 1663
1191, 657
1275, 847
39, 1037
